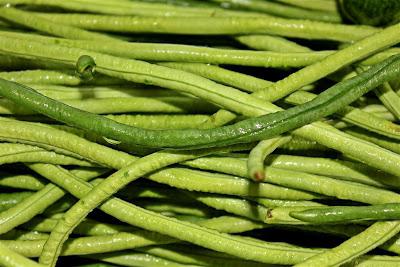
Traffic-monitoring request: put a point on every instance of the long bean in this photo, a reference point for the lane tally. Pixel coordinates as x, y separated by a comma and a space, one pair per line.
271, 43
221, 25
251, 106
354, 116
341, 214
10, 258
369, 239
104, 190
348, 55
21, 181
139, 217
244, 131
115, 105
344, 170
13, 153
235, 79
93, 244
186, 53
318, 184
388, 143
31, 206
35, 22
283, 10
195, 256
52, 77
235, 206
312, 4
255, 162
128, 8
389, 98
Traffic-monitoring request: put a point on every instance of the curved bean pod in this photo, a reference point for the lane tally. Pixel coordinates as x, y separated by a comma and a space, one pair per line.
245, 131
226, 97
31, 206
106, 189
353, 115
255, 162
375, 235
359, 50
233, 245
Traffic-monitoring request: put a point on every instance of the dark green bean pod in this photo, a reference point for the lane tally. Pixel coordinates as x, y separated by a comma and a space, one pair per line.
248, 130
345, 214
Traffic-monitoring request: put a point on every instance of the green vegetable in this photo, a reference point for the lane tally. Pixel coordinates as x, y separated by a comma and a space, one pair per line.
230, 144
390, 211
245, 131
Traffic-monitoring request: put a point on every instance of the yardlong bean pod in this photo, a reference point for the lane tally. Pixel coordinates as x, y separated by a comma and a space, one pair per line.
35, 22
106, 189
255, 162
341, 214
12, 259
31, 206
116, 105
148, 220
12, 153
356, 51
220, 25
271, 43
110, 69
242, 103
53, 77
139, 8
282, 10
353, 115
367, 240
245, 131
185, 53
21, 181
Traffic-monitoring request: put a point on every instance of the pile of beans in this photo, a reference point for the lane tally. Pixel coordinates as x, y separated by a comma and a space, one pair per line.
197, 133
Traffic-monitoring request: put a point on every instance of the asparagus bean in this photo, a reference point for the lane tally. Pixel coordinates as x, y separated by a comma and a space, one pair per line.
12, 259
341, 214
332, 63
374, 236
30, 20
283, 10
244, 131
316, 131
255, 162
